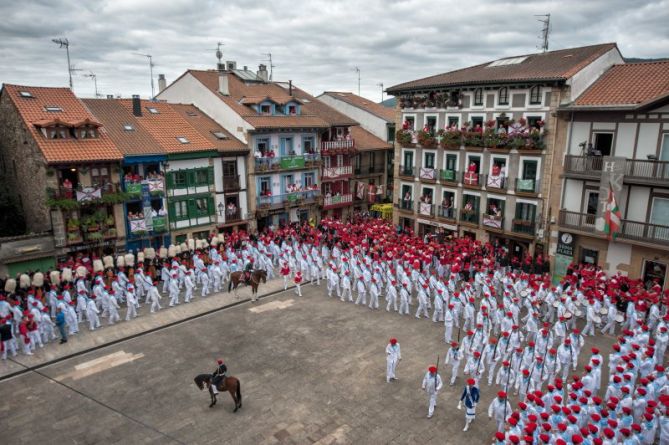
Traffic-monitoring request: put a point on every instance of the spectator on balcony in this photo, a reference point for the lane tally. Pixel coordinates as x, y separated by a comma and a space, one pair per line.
407, 199
67, 185
446, 203
427, 199
230, 209
258, 154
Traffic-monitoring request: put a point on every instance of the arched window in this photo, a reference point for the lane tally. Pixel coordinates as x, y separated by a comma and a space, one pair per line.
503, 96
535, 95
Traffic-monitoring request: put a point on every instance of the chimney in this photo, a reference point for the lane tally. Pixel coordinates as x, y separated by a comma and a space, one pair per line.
162, 83
262, 73
232, 65
246, 68
223, 87
110, 96
290, 87
136, 105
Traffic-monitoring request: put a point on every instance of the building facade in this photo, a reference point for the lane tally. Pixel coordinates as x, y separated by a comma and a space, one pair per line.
474, 147
617, 144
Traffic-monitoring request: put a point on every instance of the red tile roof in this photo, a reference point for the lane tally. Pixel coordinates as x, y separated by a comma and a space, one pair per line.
74, 113
557, 65
628, 85
378, 110
366, 141
206, 126
313, 115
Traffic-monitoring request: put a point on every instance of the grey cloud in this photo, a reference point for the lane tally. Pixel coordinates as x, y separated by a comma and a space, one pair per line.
315, 43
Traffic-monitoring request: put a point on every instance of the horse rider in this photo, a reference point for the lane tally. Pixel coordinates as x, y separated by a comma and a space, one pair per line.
218, 375
247, 271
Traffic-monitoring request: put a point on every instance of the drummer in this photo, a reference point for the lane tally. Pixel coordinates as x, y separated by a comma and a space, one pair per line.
591, 318
611, 316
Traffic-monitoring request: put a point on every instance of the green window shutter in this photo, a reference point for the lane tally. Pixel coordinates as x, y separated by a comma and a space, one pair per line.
170, 180
191, 178
210, 206
192, 209
170, 211
210, 175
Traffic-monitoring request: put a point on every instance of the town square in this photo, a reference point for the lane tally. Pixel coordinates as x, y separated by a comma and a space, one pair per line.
373, 235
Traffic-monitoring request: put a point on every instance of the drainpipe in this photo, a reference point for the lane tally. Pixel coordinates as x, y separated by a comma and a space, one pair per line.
548, 197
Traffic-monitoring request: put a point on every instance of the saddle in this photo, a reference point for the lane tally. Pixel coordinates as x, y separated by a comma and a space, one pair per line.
247, 277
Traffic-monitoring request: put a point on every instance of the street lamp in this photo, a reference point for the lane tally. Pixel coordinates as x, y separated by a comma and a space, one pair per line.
64, 43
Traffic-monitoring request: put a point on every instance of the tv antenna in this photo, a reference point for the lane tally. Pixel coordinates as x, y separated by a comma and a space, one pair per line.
546, 20
380, 84
151, 65
357, 70
219, 54
271, 66
64, 43
92, 75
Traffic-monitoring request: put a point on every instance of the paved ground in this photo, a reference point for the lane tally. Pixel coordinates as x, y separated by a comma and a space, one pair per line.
312, 371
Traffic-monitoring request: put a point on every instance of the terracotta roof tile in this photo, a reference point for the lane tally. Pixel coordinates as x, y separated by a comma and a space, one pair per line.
378, 110
366, 141
74, 112
549, 66
630, 84
206, 126
115, 117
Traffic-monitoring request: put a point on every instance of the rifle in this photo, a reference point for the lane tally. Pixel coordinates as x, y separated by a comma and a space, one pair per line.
435, 374
506, 387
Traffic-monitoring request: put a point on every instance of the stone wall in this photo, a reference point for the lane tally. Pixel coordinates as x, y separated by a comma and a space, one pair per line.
26, 167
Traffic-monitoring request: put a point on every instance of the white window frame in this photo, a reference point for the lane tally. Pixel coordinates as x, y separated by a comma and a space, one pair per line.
404, 183
430, 187
483, 97
434, 115
456, 115
506, 163
415, 119
508, 95
542, 96
468, 161
412, 150
436, 161
455, 196
528, 114
522, 159
457, 160
481, 115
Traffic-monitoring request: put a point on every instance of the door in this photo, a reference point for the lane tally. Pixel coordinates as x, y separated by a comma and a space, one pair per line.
603, 144
654, 272
408, 163
590, 206
659, 217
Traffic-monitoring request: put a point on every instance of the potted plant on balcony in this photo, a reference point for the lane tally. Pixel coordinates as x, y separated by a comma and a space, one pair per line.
73, 225
451, 138
94, 236
425, 138
73, 237
109, 221
403, 137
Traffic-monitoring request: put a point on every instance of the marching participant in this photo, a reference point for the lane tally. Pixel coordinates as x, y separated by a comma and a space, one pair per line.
432, 384
393, 356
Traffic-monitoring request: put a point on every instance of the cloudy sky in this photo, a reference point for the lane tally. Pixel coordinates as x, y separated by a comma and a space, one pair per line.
316, 43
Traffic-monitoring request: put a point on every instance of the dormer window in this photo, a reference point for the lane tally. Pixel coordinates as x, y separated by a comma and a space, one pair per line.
265, 109
292, 110
52, 109
26, 94
55, 132
153, 110
183, 140
88, 133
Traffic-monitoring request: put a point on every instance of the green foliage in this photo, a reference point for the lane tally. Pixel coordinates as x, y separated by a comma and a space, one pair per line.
63, 204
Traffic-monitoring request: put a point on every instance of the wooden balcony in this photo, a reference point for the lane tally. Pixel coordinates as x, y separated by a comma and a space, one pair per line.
334, 148
339, 172
425, 209
494, 222
448, 214
524, 227
407, 171
637, 171
642, 232
333, 202
405, 206
231, 183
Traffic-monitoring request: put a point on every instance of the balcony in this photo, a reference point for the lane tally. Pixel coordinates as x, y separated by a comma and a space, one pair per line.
340, 172
333, 148
527, 186
156, 187
138, 226
407, 171
428, 174
497, 182
469, 216
405, 205
265, 164
448, 213
630, 230
425, 209
636, 170
288, 199
233, 215
231, 183
524, 227
331, 202
451, 176
493, 221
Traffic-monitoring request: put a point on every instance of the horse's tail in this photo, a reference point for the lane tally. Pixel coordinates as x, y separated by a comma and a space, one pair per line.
230, 284
239, 391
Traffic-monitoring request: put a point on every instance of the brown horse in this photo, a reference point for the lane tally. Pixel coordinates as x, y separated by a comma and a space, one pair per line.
256, 276
230, 384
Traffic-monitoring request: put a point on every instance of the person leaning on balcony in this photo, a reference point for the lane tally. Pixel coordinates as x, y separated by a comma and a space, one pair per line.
407, 197
446, 203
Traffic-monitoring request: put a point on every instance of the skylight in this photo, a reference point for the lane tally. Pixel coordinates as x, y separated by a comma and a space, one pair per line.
153, 110
219, 135
510, 61
191, 113
26, 94
128, 127
306, 101
52, 109
183, 140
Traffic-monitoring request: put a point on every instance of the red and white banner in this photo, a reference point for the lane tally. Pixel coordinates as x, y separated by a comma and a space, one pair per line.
361, 190
428, 173
89, 194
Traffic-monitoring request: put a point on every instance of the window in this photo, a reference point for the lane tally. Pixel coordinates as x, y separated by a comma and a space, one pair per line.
88, 133
180, 179
229, 168
265, 109
201, 208
262, 145
495, 207
509, 61
183, 140
451, 162
100, 176
474, 160
429, 160
530, 169
25, 94
408, 159
128, 127
592, 201
202, 177
526, 211
477, 121
52, 108
309, 180
308, 144
265, 185
503, 96
292, 110
453, 121
56, 132
431, 123
191, 113
412, 122
478, 97
391, 133
659, 213
219, 135
589, 256
153, 110
286, 147
603, 144
533, 121
654, 272
181, 209
535, 95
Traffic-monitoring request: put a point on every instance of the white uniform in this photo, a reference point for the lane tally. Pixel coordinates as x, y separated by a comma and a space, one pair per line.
432, 385
92, 315
499, 408
393, 356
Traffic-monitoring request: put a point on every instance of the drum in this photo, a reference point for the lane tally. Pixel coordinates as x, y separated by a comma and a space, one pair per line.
604, 312
524, 293
620, 317
567, 316
597, 319
556, 304
578, 313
